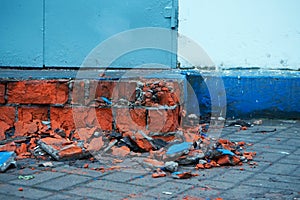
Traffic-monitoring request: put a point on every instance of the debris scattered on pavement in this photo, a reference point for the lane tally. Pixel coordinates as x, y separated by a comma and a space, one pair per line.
257, 122
171, 166
265, 131
158, 173
183, 175
27, 177
46, 164
240, 123
6, 160
167, 193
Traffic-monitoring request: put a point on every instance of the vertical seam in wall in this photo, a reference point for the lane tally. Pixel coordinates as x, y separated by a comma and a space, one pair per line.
44, 6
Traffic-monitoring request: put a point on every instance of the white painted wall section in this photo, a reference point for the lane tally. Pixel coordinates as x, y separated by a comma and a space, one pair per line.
245, 33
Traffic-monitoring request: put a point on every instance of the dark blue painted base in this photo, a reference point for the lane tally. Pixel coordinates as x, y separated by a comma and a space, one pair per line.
248, 93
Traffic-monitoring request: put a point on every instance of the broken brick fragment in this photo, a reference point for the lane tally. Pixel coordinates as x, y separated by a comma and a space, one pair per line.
100, 89
78, 92
124, 90
2, 93
95, 144
200, 166
158, 173
3, 128
162, 120
62, 117
129, 119
8, 147
120, 151
28, 114
153, 162
70, 151
223, 160
104, 118
7, 114
38, 92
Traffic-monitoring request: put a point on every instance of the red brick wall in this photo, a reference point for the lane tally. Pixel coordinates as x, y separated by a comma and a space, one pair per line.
69, 105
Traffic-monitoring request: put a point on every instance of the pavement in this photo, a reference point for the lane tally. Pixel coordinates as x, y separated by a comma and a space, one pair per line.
276, 175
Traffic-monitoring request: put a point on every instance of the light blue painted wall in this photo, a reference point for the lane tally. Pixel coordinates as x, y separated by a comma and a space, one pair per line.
245, 33
21, 33
61, 33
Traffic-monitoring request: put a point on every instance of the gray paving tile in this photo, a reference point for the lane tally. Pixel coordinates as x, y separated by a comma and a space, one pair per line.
281, 169
201, 192
269, 157
277, 178
64, 182
38, 178
234, 176
120, 176
96, 193
64, 196
114, 186
27, 193
7, 177
274, 185
244, 192
217, 184
173, 187
80, 171
148, 181
7, 197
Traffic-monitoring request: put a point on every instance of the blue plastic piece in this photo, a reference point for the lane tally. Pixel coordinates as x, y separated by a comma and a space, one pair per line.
6, 159
225, 152
106, 100
177, 148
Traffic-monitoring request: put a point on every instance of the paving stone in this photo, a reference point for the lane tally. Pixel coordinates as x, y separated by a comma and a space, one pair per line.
7, 197
271, 184
120, 176
38, 178
288, 160
281, 169
269, 157
64, 182
244, 192
234, 176
114, 186
277, 178
173, 187
81, 171
63, 196
148, 181
7, 177
296, 172
96, 193
217, 184
27, 193
201, 192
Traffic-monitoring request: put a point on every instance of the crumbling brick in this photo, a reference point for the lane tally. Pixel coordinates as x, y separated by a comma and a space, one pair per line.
62, 117
2, 93
129, 119
7, 114
78, 92
28, 114
124, 90
3, 128
100, 89
25, 128
38, 92
161, 120
84, 117
104, 118
7, 119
